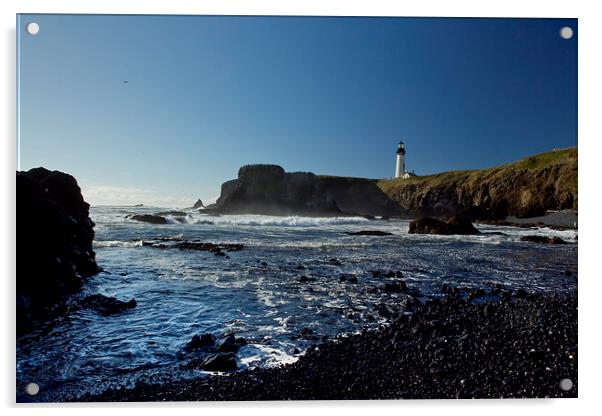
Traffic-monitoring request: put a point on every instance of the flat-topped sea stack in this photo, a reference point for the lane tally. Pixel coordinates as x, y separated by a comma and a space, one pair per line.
527, 188
269, 190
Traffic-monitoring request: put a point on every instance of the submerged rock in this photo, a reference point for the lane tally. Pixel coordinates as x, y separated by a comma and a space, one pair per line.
151, 219
172, 213
454, 225
542, 239
369, 232
106, 305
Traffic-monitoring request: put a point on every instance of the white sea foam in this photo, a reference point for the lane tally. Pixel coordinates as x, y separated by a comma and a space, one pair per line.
117, 243
266, 220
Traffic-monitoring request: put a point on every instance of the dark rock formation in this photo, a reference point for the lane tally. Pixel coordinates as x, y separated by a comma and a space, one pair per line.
216, 249
542, 239
205, 341
172, 213
151, 219
198, 204
106, 305
54, 240
222, 361
268, 189
229, 343
370, 232
454, 225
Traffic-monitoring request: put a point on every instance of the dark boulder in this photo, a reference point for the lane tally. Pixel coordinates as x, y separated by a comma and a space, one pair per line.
106, 305
151, 219
454, 225
349, 278
396, 287
54, 241
204, 341
542, 239
370, 232
461, 225
230, 344
222, 361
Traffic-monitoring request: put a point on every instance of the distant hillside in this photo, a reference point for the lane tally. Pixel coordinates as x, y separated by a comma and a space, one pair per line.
525, 188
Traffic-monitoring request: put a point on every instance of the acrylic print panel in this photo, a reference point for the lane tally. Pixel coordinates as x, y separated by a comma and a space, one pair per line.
270, 208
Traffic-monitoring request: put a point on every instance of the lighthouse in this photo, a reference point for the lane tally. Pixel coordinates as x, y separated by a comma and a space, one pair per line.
400, 166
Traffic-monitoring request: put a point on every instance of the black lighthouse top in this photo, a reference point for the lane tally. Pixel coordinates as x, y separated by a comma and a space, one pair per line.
400, 149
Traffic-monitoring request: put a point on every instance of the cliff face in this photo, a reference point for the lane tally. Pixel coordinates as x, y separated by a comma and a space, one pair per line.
54, 239
269, 190
525, 188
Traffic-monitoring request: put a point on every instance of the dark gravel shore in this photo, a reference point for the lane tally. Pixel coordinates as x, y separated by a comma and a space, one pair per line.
521, 346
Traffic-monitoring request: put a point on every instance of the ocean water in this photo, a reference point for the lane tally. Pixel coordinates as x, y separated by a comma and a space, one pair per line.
256, 292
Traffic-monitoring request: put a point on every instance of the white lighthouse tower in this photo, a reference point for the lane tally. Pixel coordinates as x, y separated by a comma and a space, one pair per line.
400, 166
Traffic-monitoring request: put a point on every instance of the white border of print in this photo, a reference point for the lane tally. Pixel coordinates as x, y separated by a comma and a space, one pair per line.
590, 66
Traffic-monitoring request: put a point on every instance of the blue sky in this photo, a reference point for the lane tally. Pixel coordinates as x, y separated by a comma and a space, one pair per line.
205, 95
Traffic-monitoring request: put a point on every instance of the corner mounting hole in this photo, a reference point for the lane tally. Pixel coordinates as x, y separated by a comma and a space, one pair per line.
32, 28
32, 389
566, 32
566, 384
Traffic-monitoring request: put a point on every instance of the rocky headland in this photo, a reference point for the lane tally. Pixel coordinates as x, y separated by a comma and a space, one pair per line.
527, 188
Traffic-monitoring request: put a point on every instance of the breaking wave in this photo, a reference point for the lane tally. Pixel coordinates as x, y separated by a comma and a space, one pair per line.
117, 243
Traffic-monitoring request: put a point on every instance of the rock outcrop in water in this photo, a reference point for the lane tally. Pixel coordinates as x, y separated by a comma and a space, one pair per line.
543, 239
149, 218
54, 240
529, 187
453, 226
198, 204
107, 305
269, 190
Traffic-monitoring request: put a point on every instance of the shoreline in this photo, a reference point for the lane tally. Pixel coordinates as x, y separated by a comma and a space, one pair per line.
516, 345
